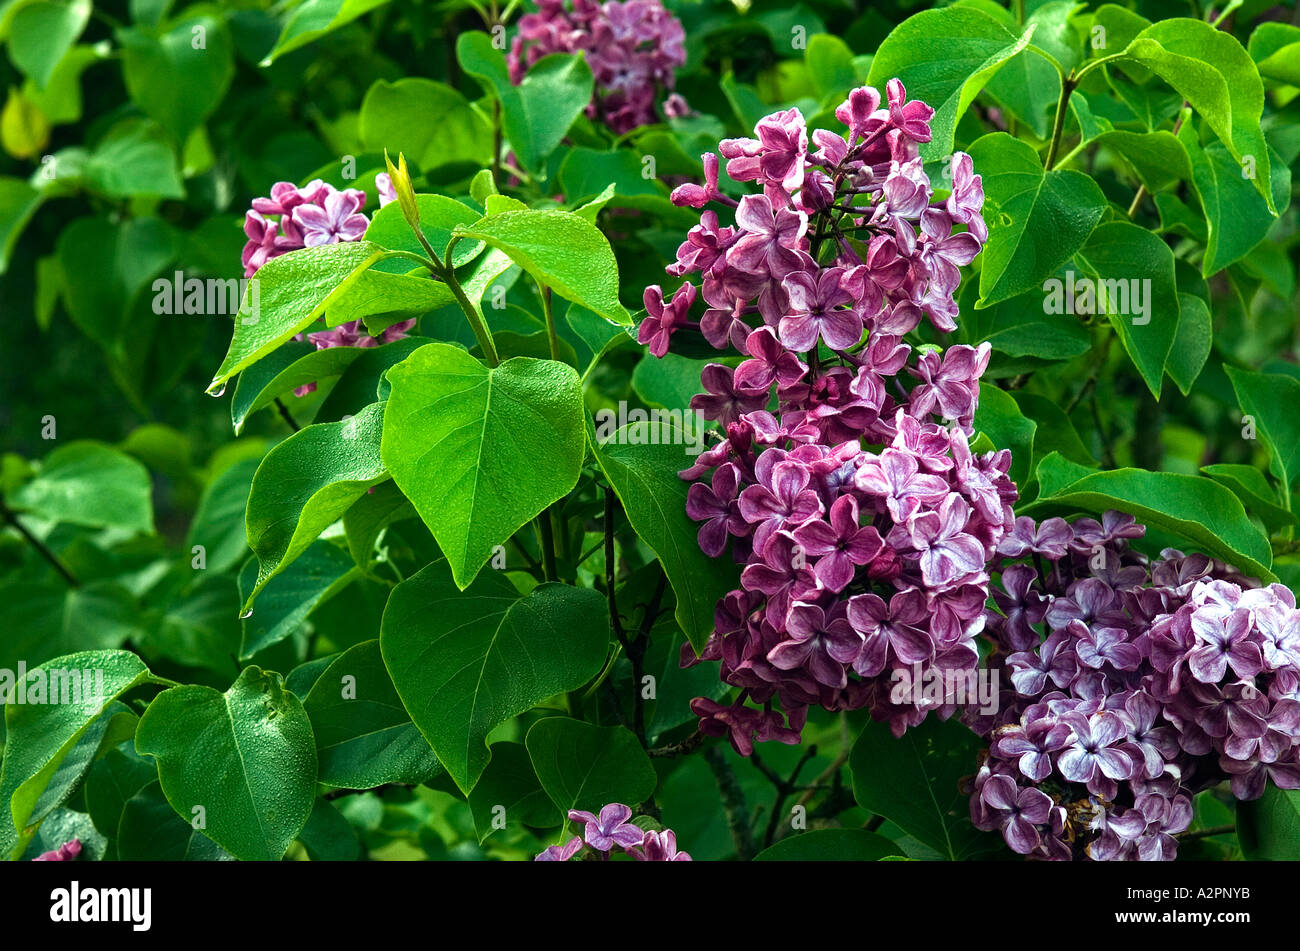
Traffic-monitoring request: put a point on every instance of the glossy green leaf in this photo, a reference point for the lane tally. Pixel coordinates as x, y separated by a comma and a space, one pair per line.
641, 462
150, 830
562, 251
465, 662
199, 627
218, 523
669, 381
1214, 73
361, 382
364, 737
246, 756
1192, 507
107, 729
88, 483
1191, 346
1133, 270
312, 19
944, 57
481, 451
1028, 85
1271, 400
1037, 220
429, 122
538, 112
39, 736
1249, 485
315, 576
439, 217
297, 363
914, 781
328, 836
370, 515
292, 291
306, 483
114, 778
1054, 432
179, 76
1158, 158
509, 792
1269, 827
1022, 326
41, 33
583, 766
999, 418
1275, 48
1236, 217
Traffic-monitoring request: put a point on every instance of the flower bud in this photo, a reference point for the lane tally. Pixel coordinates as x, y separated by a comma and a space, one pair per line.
401, 180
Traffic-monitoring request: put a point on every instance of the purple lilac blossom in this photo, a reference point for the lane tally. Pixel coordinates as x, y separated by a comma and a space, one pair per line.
67, 852
610, 831
1135, 683
845, 487
632, 48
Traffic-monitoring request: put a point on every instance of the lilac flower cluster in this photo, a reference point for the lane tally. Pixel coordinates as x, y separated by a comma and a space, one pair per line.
863, 519
1154, 680
612, 829
632, 48
308, 217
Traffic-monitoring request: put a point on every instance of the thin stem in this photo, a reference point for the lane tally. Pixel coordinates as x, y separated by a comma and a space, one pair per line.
1096, 63
1068, 85
636, 654
12, 518
1207, 832
846, 746
550, 324
1049, 57
615, 620
688, 745
1137, 200
1228, 11
548, 546
428, 248
448, 275
286, 415
1142, 189
1091, 382
784, 788
496, 143
733, 803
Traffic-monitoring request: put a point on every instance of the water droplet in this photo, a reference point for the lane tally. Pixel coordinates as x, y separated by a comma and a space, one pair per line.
217, 390
246, 615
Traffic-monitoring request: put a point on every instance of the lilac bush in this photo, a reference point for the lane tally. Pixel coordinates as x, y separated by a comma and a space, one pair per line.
862, 518
613, 830
307, 217
1134, 684
632, 48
